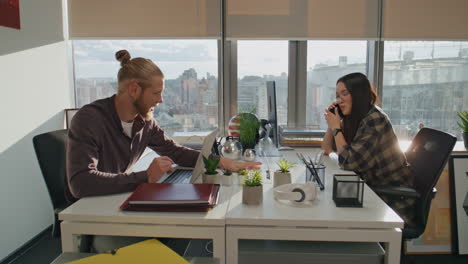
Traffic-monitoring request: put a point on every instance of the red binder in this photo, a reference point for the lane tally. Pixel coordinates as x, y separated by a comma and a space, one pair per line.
172, 197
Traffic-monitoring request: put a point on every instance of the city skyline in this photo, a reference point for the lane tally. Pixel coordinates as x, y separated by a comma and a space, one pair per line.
191, 101
95, 58
400, 99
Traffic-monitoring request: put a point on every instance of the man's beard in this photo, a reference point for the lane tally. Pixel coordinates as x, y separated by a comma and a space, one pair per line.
144, 111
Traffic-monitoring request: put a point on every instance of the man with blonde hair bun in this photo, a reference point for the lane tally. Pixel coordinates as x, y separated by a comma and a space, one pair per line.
108, 136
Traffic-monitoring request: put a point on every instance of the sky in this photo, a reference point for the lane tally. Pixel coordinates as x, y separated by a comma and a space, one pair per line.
95, 58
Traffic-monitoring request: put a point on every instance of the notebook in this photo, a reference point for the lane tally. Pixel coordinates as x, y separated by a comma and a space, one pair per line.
190, 175
172, 197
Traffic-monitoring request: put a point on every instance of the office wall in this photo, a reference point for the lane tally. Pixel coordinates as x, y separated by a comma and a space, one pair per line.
41, 24
35, 88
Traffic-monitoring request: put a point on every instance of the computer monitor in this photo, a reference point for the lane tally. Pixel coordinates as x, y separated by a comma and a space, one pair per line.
272, 114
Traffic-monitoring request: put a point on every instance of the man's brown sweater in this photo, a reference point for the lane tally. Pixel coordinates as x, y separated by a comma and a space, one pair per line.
100, 155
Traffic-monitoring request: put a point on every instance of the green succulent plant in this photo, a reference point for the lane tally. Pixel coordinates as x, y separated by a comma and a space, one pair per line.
227, 172
464, 120
284, 165
211, 164
253, 179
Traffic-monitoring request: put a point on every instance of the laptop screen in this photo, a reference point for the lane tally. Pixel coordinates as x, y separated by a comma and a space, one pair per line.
205, 151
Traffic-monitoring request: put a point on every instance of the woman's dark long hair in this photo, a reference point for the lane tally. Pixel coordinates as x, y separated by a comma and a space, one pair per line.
363, 97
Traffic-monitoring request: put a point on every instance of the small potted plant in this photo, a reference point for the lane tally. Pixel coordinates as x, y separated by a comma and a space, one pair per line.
464, 125
283, 176
252, 191
242, 173
211, 174
227, 177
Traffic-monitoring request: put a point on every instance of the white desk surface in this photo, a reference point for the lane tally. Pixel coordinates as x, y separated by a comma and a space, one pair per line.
106, 209
375, 214
230, 210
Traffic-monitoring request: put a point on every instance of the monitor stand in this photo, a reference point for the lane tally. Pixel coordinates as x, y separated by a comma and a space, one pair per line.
266, 148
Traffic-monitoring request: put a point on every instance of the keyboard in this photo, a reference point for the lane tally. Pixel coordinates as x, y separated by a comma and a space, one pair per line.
179, 176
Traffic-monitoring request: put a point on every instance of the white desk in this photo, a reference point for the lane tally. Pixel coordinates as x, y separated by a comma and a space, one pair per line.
101, 216
231, 221
322, 221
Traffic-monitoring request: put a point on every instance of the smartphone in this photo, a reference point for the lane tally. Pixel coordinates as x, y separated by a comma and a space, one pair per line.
339, 110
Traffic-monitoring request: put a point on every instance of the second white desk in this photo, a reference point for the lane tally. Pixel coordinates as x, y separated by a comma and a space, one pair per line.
323, 221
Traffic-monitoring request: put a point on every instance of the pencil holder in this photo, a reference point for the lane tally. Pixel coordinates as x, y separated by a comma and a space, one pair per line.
320, 171
348, 190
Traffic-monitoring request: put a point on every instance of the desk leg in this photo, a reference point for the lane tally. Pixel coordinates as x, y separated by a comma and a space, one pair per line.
69, 241
393, 247
232, 247
219, 246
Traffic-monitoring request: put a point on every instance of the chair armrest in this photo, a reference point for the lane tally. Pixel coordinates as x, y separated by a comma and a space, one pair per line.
398, 191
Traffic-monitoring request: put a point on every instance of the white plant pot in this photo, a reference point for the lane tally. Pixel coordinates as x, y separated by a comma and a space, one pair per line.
211, 178
252, 195
226, 180
280, 178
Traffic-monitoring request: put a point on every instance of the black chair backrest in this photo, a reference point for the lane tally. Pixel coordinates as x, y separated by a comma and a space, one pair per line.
50, 151
428, 155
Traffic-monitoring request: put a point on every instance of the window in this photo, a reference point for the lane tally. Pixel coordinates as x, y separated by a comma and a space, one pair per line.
424, 84
190, 68
327, 61
259, 62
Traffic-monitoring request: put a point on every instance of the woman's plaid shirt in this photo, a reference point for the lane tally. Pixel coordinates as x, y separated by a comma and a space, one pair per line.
375, 154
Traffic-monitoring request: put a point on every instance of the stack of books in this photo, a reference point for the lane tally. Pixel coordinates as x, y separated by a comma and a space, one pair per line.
300, 136
172, 197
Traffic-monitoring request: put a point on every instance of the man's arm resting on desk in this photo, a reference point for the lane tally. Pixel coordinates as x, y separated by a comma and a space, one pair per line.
93, 182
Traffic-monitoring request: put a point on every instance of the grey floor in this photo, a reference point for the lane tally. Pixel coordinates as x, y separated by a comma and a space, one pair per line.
47, 248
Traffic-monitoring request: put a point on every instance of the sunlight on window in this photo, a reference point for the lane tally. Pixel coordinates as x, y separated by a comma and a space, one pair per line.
327, 61
259, 62
424, 85
190, 68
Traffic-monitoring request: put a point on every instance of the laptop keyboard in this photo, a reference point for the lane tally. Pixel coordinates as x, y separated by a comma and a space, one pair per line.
179, 176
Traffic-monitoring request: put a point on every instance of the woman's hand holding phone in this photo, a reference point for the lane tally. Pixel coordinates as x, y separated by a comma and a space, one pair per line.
333, 119
331, 107
334, 106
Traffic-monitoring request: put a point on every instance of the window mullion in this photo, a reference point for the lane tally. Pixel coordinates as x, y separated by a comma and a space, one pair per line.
297, 90
374, 67
292, 81
230, 83
221, 90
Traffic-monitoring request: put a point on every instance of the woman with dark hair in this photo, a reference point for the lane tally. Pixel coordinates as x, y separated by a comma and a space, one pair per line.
363, 137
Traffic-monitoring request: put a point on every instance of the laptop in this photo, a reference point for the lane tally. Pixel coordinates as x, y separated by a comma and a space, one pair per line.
190, 175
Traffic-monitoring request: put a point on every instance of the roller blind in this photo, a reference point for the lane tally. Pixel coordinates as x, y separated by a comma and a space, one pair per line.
425, 19
144, 18
302, 19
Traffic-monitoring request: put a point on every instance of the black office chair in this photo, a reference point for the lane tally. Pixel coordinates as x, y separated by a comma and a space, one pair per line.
50, 151
428, 154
